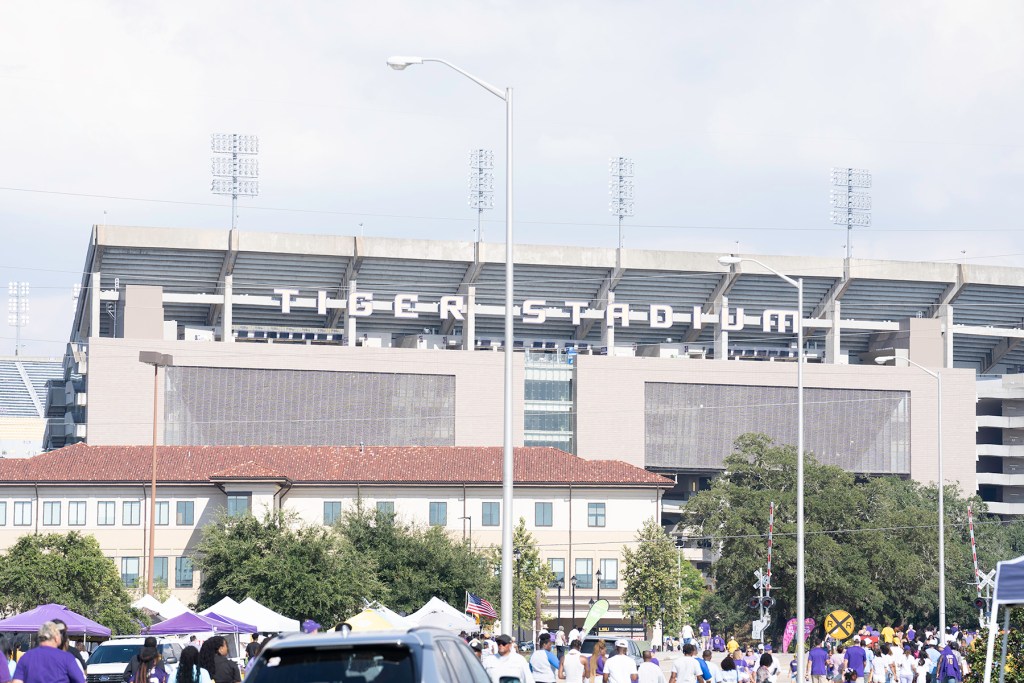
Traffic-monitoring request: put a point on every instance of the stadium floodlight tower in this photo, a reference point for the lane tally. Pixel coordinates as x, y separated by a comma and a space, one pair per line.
850, 208
620, 187
17, 310
234, 172
481, 185
507, 470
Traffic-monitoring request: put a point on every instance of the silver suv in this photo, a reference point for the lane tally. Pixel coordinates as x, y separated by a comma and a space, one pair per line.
420, 655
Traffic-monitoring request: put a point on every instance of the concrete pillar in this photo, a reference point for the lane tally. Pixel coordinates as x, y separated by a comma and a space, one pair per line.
469, 324
607, 330
833, 336
721, 335
94, 305
225, 317
350, 320
946, 315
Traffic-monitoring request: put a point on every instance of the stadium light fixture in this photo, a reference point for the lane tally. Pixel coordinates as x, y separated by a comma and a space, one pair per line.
850, 208
937, 376
157, 360
801, 605
17, 310
508, 475
620, 187
481, 185
234, 175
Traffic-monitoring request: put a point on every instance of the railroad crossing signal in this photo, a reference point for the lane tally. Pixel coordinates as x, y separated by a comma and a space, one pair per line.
839, 624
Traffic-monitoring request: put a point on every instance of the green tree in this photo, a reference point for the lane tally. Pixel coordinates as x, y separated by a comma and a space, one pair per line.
870, 545
657, 581
530, 574
68, 569
301, 571
415, 564
1014, 652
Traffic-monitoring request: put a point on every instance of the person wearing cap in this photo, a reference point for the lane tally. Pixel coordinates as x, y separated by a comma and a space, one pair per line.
310, 626
133, 663
855, 658
649, 672
148, 671
687, 669
48, 663
509, 663
543, 662
620, 667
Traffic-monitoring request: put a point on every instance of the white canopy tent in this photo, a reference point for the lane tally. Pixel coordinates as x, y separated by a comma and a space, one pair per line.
440, 614
265, 619
148, 602
225, 607
172, 607
1008, 593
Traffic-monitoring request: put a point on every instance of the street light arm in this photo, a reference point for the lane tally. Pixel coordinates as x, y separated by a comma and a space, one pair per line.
882, 360
400, 63
736, 260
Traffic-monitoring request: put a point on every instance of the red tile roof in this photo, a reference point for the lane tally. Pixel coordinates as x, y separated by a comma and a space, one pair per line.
327, 464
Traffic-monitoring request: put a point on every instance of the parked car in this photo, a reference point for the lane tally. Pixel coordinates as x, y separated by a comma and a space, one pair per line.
108, 661
633, 651
419, 655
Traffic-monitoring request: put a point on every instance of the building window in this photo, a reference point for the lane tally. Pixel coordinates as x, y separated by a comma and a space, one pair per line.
438, 514
76, 513
163, 513
584, 572
557, 565
542, 514
51, 513
185, 513
129, 571
610, 573
160, 571
595, 514
22, 513
131, 513
3, 513
105, 512
239, 504
183, 572
386, 507
332, 510
491, 514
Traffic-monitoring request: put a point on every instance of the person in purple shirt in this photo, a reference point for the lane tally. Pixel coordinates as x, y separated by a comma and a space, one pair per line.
855, 657
948, 669
817, 664
5, 669
48, 663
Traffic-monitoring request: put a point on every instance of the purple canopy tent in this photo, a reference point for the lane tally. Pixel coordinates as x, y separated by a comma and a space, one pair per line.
34, 618
189, 622
235, 625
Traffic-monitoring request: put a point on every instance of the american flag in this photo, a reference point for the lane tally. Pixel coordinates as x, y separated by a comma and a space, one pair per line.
477, 605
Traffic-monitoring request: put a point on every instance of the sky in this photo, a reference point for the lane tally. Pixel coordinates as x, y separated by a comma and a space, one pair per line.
733, 112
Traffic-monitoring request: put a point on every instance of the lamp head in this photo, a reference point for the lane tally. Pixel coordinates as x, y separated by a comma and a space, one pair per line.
882, 360
399, 63
729, 260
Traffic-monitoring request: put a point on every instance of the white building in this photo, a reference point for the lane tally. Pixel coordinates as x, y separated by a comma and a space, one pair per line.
581, 512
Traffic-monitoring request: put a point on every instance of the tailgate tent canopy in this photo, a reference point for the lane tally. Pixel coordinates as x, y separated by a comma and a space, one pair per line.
265, 619
440, 614
193, 623
1008, 593
34, 618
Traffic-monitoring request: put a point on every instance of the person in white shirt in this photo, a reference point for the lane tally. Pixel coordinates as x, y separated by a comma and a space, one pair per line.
543, 662
686, 634
687, 668
575, 633
649, 672
716, 672
621, 668
575, 666
509, 663
882, 668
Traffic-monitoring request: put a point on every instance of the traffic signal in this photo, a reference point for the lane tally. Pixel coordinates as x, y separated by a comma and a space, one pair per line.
754, 602
767, 602
980, 603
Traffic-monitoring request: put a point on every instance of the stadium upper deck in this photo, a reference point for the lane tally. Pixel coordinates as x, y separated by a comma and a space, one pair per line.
853, 304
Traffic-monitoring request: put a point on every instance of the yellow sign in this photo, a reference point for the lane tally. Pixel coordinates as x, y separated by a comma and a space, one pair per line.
839, 625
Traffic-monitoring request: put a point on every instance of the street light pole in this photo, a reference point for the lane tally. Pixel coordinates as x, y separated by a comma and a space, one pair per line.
157, 360
801, 659
470, 520
572, 584
598, 577
881, 360
519, 579
560, 584
400, 63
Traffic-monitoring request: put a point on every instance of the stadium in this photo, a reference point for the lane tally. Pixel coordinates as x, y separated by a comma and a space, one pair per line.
656, 358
